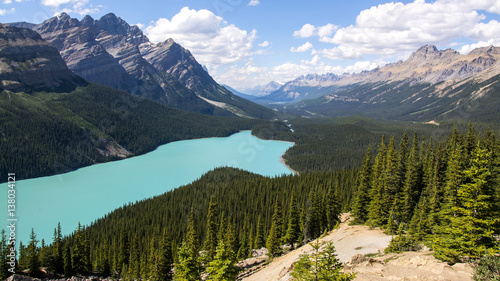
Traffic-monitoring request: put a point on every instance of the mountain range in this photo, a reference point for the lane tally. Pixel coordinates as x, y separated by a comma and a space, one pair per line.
430, 84
110, 52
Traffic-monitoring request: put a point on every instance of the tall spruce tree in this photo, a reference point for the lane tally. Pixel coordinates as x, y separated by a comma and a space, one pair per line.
222, 267
412, 183
273, 243
376, 213
32, 255
57, 250
332, 206
165, 259
210, 243
259, 234
293, 230
362, 195
188, 265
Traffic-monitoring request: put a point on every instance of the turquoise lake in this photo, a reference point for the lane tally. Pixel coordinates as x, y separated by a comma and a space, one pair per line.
89, 193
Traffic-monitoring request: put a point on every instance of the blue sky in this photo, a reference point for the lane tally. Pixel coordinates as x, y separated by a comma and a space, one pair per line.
245, 43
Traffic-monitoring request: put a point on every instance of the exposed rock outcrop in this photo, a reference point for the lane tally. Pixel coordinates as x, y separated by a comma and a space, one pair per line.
27, 62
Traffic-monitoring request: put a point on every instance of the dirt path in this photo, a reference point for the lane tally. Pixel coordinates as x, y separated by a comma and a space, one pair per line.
360, 240
348, 240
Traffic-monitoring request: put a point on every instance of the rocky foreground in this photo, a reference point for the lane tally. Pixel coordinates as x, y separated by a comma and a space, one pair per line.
361, 250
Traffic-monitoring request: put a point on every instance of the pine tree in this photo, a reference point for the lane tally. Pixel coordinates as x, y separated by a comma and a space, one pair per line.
273, 243
293, 230
312, 227
68, 265
210, 243
165, 258
259, 234
391, 189
57, 250
4, 251
188, 266
413, 182
32, 255
332, 207
320, 265
80, 258
362, 195
222, 268
376, 215
473, 220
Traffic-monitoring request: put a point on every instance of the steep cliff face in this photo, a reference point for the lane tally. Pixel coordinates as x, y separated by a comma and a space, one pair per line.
110, 52
27, 62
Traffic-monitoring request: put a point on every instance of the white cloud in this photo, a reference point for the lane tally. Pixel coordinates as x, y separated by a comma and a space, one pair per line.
303, 48
81, 7
55, 3
307, 30
392, 28
253, 3
211, 39
265, 44
7, 11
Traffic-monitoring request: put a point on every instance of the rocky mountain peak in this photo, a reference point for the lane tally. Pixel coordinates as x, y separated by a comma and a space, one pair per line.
61, 22
492, 50
87, 21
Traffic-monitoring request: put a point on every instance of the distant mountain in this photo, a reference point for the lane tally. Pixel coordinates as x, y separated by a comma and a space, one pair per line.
430, 84
303, 87
265, 90
239, 94
52, 121
110, 52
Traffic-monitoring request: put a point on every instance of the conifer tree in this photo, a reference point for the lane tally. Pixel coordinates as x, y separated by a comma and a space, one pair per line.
391, 187
473, 220
57, 250
222, 267
32, 255
375, 211
413, 182
188, 266
273, 243
165, 258
293, 230
68, 265
332, 207
210, 242
362, 195
259, 234
4, 251
312, 227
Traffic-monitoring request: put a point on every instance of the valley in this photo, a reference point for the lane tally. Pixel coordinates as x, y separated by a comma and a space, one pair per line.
133, 162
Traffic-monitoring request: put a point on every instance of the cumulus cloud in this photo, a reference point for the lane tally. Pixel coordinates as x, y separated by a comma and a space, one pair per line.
253, 3
7, 11
391, 28
309, 30
303, 48
265, 44
211, 39
81, 7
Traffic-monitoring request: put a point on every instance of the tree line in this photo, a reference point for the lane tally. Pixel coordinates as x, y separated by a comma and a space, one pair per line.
444, 195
